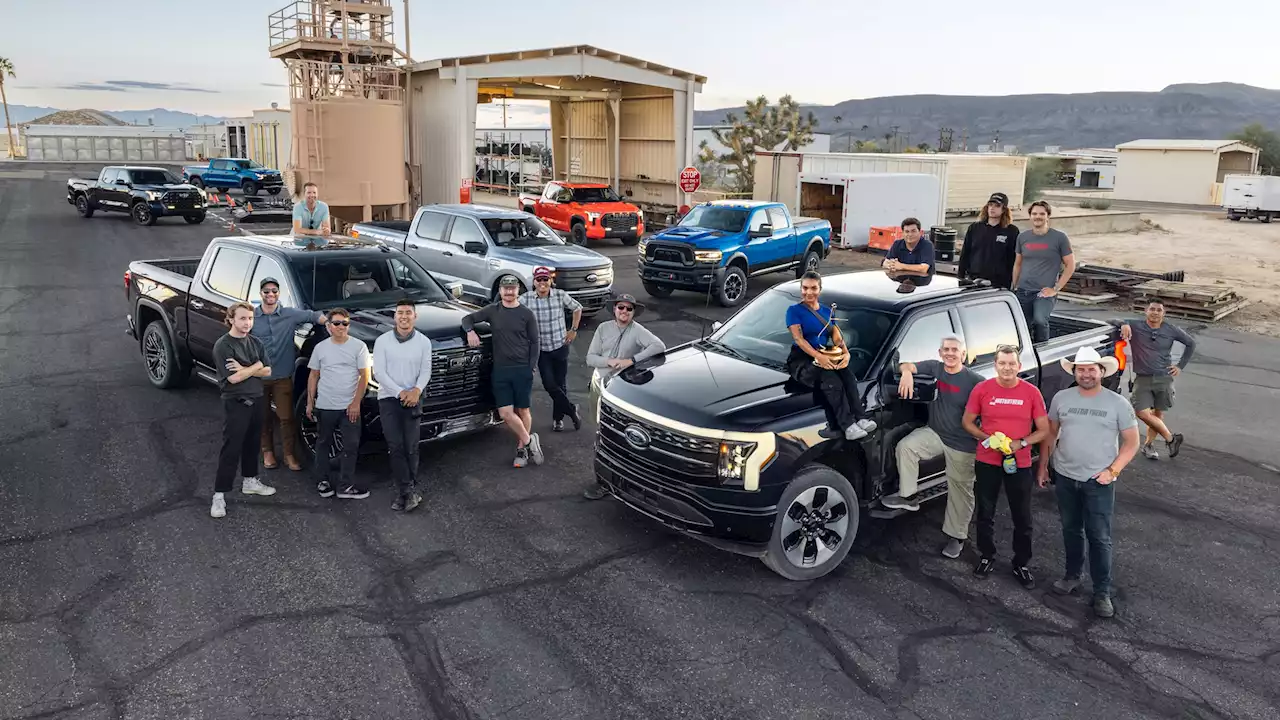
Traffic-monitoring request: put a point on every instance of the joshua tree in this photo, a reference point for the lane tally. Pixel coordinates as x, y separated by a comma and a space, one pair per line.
6, 68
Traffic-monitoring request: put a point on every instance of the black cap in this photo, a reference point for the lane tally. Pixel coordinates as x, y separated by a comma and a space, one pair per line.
509, 281
263, 283
999, 198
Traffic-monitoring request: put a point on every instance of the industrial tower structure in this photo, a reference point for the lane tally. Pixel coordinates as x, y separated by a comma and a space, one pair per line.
347, 103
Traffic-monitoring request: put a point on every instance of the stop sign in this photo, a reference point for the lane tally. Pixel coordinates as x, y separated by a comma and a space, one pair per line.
690, 179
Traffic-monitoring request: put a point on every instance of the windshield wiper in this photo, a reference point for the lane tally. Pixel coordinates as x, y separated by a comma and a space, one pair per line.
709, 344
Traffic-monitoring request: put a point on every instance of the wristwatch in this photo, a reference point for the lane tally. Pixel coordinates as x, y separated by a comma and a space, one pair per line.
1114, 472
1024, 442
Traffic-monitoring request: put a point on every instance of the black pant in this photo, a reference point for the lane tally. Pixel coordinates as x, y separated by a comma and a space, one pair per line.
329, 420
989, 479
835, 390
553, 367
241, 436
401, 427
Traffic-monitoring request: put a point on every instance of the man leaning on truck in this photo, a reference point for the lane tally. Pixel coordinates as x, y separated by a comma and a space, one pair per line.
274, 325
311, 216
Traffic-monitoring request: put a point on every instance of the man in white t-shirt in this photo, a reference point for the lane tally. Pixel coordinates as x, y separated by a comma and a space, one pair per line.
340, 368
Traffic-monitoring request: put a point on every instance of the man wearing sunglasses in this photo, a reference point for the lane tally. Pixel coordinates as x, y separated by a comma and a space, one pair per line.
340, 367
275, 325
549, 306
615, 347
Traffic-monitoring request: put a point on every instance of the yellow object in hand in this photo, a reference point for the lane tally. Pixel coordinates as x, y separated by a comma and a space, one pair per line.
1000, 442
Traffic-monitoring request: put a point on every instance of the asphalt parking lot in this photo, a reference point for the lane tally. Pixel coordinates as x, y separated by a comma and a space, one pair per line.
509, 596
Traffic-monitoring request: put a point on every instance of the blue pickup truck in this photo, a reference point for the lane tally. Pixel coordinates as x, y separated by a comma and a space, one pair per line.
221, 174
718, 245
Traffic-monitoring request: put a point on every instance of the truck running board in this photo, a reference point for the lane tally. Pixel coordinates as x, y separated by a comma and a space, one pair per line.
928, 490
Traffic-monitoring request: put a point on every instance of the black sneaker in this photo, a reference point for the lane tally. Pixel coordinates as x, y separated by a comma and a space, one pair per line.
325, 488
831, 433
406, 503
1174, 445
398, 503
1024, 577
557, 426
351, 492
576, 417
594, 491
985, 566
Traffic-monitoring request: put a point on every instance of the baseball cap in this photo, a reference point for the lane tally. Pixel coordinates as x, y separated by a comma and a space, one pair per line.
509, 281
541, 272
999, 198
268, 281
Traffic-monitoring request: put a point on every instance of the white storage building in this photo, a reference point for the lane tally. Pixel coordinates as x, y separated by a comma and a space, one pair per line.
1184, 172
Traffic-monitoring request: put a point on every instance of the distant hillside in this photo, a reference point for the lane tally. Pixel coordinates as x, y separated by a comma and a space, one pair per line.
23, 114
1103, 119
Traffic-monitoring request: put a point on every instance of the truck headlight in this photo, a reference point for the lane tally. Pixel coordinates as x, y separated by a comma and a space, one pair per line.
707, 256
593, 216
733, 460
641, 246
153, 196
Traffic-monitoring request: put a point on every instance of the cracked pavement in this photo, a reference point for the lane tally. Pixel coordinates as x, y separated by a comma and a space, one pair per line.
508, 596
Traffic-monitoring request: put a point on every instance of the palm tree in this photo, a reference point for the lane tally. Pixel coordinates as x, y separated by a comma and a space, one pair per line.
6, 68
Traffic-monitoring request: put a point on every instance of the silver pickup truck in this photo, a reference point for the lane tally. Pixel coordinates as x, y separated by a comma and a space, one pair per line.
477, 245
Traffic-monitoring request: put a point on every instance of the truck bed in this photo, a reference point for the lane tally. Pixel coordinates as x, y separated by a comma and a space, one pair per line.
176, 273
392, 232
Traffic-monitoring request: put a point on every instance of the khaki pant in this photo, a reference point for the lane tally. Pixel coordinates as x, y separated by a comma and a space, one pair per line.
281, 392
924, 444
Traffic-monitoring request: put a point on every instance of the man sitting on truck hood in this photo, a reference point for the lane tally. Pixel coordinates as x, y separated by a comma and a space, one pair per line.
910, 258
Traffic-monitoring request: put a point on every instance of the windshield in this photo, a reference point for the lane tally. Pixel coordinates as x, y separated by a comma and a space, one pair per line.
363, 281
710, 217
521, 232
153, 177
759, 332
595, 195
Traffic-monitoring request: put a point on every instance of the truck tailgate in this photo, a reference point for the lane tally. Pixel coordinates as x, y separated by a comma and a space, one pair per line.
393, 233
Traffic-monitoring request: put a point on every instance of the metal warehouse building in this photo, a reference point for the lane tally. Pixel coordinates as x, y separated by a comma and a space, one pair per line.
1187, 172
105, 144
614, 119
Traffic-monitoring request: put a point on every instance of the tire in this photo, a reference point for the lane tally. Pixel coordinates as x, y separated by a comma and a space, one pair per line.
194, 219
141, 213
733, 287
273, 191
495, 297
249, 188
527, 208
578, 234
83, 207
197, 181
223, 190
631, 240
658, 291
818, 504
1265, 217
164, 369
307, 434
811, 261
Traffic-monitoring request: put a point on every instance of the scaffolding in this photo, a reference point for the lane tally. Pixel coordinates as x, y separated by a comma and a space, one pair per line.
511, 162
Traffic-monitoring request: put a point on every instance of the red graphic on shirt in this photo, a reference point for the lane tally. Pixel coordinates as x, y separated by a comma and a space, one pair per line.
947, 387
1036, 246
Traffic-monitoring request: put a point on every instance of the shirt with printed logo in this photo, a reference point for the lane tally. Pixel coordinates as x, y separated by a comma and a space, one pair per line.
1011, 411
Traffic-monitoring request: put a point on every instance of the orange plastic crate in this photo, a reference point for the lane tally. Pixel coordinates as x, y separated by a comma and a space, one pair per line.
882, 237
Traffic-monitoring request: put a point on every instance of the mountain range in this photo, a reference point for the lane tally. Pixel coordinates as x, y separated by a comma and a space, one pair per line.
159, 117
1030, 122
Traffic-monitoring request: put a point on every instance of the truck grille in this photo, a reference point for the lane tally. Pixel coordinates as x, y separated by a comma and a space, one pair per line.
584, 278
639, 450
459, 381
181, 199
619, 222
668, 253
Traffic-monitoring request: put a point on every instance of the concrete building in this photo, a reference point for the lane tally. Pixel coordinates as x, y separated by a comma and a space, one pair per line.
615, 119
265, 136
1185, 172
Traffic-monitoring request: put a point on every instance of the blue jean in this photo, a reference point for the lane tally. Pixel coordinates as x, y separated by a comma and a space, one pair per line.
1037, 310
1086, 509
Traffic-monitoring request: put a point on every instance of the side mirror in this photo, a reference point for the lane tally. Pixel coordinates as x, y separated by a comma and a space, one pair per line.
475, 247
121, 181
766, 230
455, 289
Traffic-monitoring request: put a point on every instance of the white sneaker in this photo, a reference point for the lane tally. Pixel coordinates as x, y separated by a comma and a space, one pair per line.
854, 432
254, 486
219, 507
868, 425
535, 449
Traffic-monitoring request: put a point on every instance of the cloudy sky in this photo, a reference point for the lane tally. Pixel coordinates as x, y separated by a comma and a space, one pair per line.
211, 57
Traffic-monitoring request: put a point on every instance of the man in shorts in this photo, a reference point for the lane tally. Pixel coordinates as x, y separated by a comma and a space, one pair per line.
1153, 368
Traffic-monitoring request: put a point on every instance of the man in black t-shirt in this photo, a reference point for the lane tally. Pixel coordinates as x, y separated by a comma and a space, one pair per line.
240, 362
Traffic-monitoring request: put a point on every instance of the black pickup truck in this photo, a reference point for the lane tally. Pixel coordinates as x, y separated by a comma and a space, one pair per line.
145, 193
715, 440
177, 309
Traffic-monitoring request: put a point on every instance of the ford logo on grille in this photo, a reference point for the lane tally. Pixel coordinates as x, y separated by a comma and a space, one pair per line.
637, 437
592, 277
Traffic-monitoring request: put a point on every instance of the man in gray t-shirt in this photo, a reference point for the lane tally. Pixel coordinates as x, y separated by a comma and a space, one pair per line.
1043, 265
1093, 435
1151, 345
944, 435
340, 370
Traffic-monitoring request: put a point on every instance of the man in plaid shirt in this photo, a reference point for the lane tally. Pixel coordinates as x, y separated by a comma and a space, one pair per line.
549, 305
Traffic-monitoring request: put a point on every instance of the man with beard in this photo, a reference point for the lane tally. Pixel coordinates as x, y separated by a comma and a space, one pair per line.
402, 367
1093, 434
1042, 268
990, 245
274, 325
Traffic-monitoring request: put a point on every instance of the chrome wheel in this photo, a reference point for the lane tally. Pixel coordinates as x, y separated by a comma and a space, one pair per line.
812, 264
309, 431
733, 287
814, 526
156, 355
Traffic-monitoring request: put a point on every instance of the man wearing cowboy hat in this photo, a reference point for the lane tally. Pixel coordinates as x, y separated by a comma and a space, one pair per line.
1093, 434
615, 347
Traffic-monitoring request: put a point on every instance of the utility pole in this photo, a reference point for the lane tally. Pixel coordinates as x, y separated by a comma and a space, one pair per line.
407, 50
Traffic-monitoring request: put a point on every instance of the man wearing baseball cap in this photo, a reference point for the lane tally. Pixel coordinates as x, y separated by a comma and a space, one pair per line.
274, 325
515, 353
990, 245
1093, 435
549, 306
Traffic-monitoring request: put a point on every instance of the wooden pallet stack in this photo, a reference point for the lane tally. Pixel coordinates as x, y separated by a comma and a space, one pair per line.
1206, 303
1096, 284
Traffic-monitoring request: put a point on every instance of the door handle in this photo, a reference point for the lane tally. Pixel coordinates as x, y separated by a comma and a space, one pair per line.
448, 253
413, 246
195, 304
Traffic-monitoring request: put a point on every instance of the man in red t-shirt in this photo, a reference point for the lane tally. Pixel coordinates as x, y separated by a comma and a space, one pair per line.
1016, 408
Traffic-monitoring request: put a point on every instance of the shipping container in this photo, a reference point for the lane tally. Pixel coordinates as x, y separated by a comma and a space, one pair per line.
105, 144
856, 202
966, 180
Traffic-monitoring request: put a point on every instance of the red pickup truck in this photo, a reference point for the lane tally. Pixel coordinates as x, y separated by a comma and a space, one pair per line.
586, 210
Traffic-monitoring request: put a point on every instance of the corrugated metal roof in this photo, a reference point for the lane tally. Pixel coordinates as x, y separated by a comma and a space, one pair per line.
558, 52
1212, 145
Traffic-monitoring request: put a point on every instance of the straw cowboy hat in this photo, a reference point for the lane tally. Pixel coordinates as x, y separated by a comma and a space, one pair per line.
1089, 356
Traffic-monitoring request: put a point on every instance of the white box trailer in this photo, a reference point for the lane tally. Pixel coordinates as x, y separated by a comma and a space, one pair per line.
1253, 196
856, 202
967, 179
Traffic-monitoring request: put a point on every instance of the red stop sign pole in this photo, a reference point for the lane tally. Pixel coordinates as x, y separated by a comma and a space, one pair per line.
690, 180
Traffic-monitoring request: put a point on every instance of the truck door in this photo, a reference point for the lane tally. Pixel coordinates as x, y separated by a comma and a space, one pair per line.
784, 239
549, 208
223, 281
919, 342
471, 268
217, 175
425, 243
107, 193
